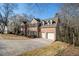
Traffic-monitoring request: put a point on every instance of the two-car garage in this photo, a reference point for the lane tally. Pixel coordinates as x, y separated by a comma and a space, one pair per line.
50, 36
48, 33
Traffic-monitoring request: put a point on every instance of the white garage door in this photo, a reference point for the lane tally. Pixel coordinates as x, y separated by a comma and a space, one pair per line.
44, 35
51, 36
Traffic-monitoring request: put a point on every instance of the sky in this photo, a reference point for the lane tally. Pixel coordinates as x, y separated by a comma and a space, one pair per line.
39, 10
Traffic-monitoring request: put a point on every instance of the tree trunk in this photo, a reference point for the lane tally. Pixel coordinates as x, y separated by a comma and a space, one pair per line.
73, 40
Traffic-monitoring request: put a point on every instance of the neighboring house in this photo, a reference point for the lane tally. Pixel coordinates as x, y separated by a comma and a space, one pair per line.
48, 31
34, 28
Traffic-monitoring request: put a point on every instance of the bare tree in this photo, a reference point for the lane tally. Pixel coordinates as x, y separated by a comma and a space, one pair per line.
14, 24
7, 10
1, 24
70, 15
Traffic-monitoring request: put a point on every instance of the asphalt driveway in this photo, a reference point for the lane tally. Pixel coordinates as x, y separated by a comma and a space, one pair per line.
15, 47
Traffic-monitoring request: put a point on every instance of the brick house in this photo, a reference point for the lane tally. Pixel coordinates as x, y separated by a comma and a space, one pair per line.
34, 28
48, 31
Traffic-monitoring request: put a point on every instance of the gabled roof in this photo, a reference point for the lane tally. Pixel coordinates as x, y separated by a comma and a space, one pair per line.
37, 19
55, 20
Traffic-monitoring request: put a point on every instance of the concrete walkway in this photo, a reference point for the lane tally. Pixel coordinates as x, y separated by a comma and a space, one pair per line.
15, 47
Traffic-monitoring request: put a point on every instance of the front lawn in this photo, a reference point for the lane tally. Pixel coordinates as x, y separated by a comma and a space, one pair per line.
70, 51
53, 49
12, 37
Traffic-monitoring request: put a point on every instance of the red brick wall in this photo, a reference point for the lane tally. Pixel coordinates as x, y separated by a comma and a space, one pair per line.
48, 29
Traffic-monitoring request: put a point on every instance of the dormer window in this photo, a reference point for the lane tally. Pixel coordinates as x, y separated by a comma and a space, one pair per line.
53, 22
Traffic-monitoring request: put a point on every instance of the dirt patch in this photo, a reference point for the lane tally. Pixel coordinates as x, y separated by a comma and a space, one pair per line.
70, 51
12, 37
50, 50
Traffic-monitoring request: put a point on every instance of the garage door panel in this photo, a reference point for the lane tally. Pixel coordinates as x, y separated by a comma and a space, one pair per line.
51, 36
43, 35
